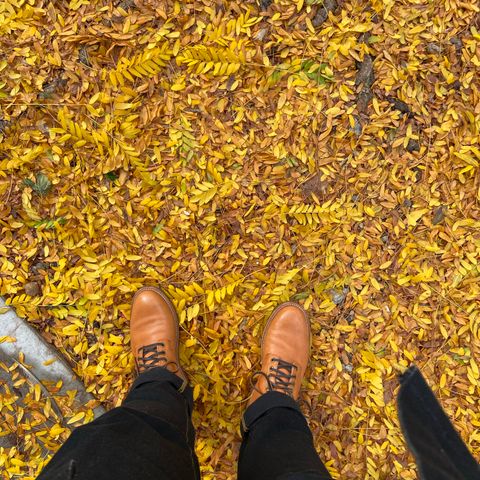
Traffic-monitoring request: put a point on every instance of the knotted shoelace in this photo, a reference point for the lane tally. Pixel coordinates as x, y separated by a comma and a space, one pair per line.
281, 377
154, 355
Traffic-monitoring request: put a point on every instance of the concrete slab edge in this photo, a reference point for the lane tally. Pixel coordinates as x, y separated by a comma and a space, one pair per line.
38, 354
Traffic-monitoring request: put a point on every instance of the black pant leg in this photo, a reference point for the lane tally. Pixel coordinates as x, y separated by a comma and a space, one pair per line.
277, 442
150, 437
438, 448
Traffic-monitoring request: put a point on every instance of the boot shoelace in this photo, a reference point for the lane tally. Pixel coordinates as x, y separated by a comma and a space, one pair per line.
281, 377
154, 355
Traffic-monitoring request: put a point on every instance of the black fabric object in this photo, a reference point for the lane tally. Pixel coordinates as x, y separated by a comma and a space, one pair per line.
438, 449
151, 437
277, 442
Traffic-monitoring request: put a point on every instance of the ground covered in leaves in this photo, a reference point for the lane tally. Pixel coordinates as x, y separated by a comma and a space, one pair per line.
239, 155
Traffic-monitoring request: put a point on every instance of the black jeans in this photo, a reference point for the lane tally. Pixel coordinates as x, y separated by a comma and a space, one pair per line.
151, 437
438, 448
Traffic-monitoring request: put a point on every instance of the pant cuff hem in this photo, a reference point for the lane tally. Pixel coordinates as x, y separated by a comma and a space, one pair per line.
263, 404
160, 374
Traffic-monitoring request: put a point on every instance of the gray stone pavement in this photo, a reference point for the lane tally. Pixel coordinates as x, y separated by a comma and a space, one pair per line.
37, 366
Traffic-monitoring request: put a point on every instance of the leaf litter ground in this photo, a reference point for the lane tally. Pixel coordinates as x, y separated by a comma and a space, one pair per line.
241, 155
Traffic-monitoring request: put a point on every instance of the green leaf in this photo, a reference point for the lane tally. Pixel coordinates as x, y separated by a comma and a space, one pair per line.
276, 75
158, 228
316, 71
307, 64
43, 184
291, 161
301, 296
373, 39
50, 223
112, 176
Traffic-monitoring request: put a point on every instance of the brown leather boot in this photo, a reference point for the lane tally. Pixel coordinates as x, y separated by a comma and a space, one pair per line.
154, 332
285, 352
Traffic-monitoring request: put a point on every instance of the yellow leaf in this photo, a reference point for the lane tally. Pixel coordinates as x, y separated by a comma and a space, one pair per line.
369, 211
196, 391
210, 297
415, 216
76, 418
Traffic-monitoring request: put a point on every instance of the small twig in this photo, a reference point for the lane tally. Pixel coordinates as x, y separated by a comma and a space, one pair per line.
10, 188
